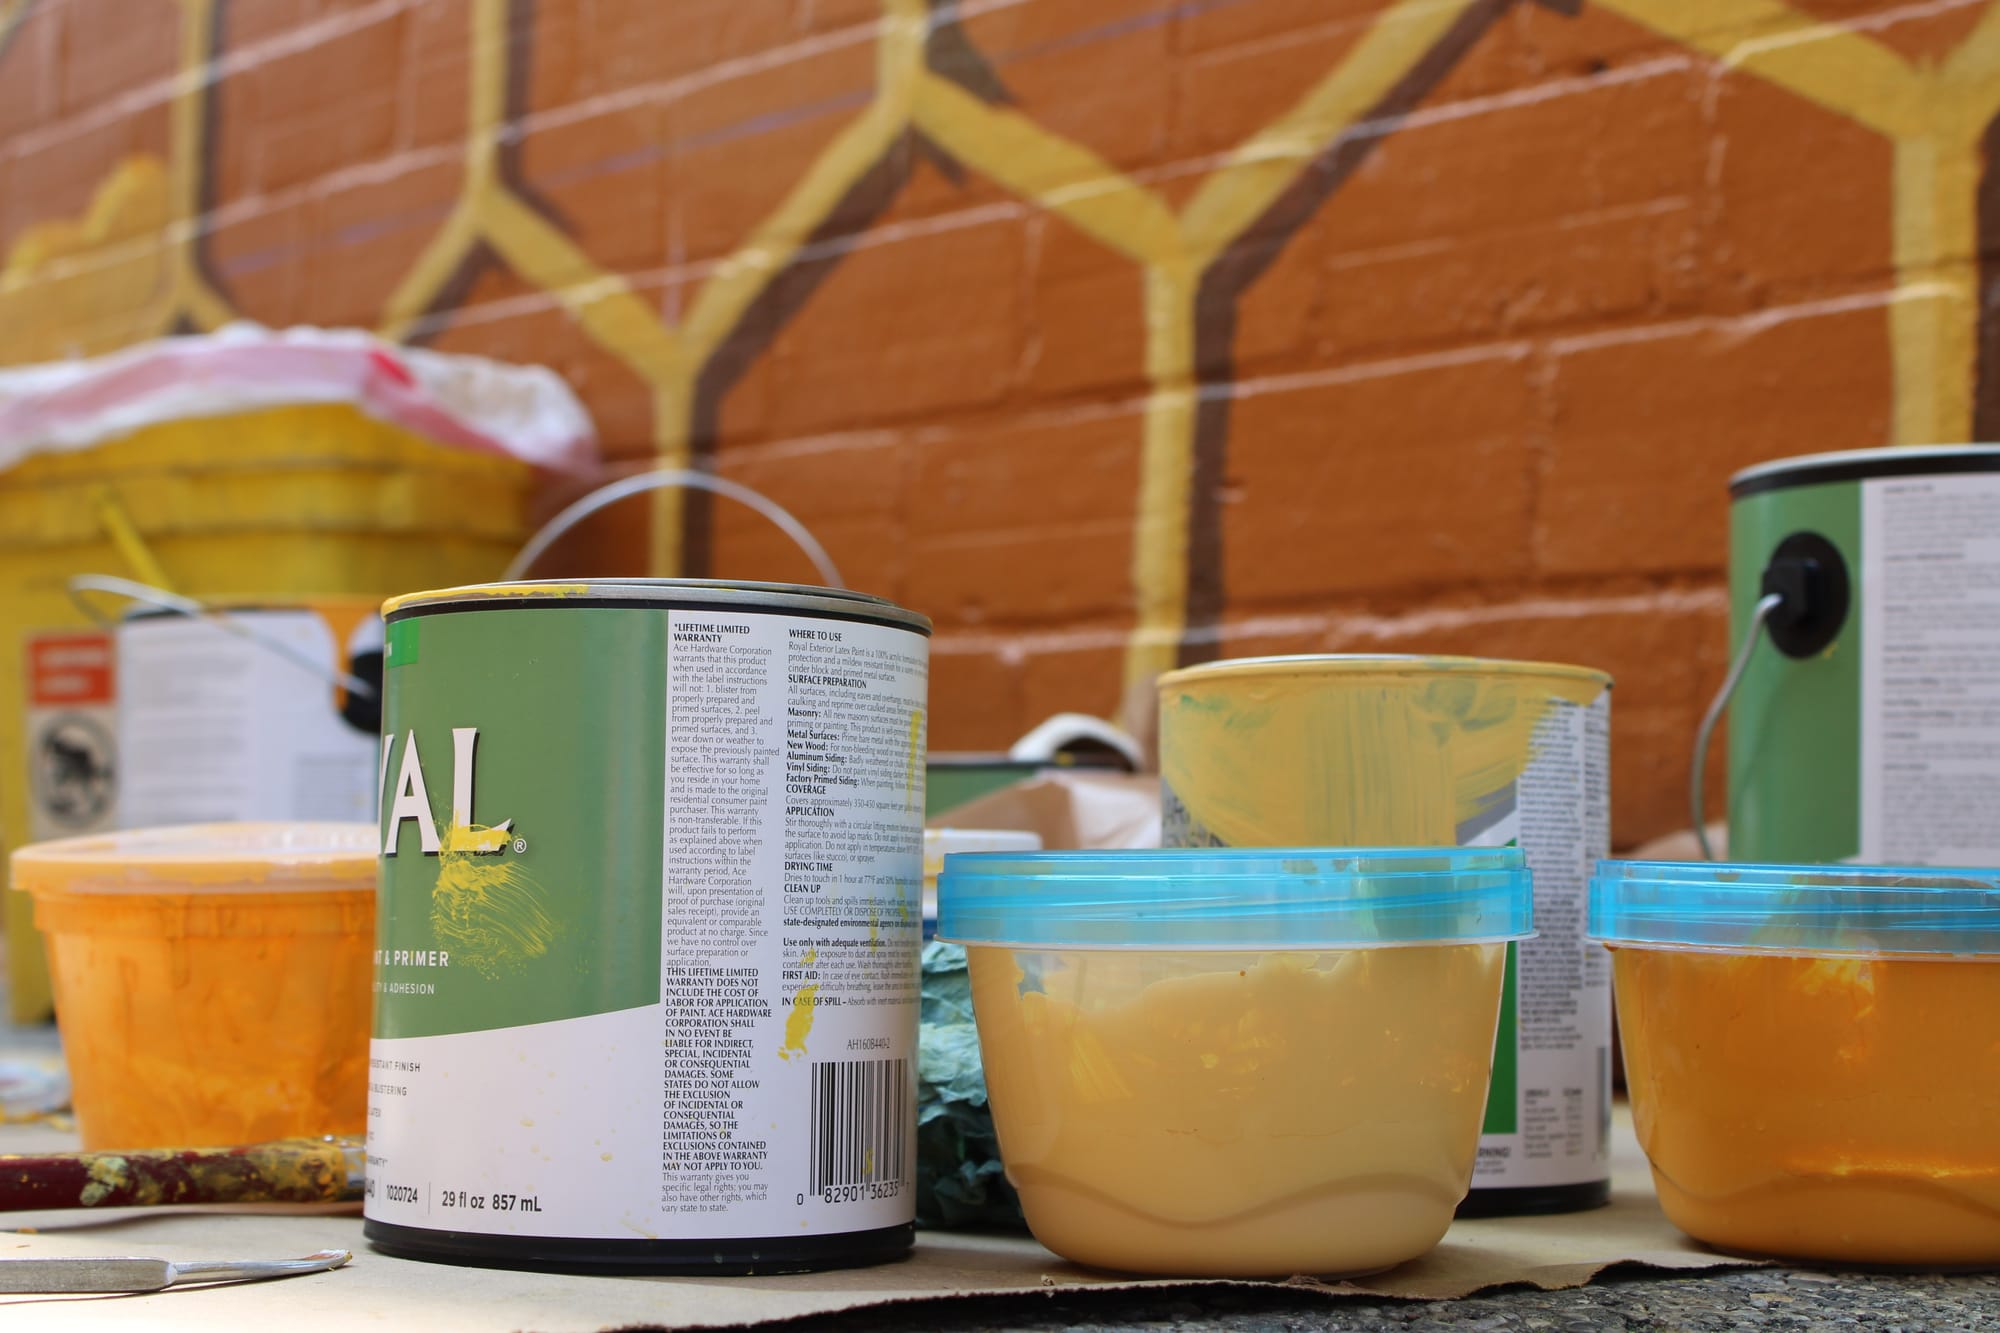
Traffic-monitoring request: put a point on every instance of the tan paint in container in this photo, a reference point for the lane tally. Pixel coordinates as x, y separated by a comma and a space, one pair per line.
1331, 751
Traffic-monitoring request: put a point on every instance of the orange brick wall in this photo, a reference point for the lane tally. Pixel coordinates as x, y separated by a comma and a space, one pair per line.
1110, 334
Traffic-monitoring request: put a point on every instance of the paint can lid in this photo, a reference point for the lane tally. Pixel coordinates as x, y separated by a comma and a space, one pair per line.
1237, 899
204, 859
699, 595
1834, 911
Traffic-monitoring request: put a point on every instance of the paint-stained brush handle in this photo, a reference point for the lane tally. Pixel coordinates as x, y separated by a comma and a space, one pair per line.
325, 1170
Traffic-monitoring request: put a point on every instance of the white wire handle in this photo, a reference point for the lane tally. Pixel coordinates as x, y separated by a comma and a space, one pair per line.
642, 482
1759, 613
147, 594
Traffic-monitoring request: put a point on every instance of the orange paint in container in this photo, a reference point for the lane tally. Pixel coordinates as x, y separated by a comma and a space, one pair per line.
1813, 1054
211, 981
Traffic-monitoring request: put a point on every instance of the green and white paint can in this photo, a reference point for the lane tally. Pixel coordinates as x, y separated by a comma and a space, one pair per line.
1865, 590
646, 969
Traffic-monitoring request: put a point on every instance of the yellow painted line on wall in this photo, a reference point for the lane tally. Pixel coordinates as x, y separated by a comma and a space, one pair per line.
1933, 320
1935, 117
669, 359
770, 249
1252, 179
1060, 176
1831, 66
1160, 567
1077, 185
1265, 165
742, 277
602, 303
11, 14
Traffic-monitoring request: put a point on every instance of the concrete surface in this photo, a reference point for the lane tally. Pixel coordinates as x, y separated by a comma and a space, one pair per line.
1761, 1299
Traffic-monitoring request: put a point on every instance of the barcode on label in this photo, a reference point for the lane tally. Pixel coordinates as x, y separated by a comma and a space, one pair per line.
862, 1112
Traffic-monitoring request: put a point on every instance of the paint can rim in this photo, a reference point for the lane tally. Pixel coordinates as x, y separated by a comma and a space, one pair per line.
1901, 460
660, 594
1386, 664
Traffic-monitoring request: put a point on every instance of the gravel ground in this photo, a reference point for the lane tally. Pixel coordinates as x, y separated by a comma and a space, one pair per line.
1748, 1299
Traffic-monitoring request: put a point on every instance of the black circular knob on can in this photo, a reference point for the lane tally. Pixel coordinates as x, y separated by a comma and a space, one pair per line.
363, 712
1810, 576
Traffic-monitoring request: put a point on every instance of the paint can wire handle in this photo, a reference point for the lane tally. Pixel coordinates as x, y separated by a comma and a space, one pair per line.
639, 483
162, 599
1767, 605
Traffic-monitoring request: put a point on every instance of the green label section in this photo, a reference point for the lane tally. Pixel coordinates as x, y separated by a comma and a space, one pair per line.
399, 643
1795, 724
543, 901
1503, 1096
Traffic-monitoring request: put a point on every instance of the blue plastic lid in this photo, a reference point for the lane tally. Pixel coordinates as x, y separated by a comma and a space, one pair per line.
1813, 910
1236, 899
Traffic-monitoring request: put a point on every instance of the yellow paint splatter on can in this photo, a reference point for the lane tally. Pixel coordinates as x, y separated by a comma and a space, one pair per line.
489, 912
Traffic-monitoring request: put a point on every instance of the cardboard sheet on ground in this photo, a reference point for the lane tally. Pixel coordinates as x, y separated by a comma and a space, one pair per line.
1548, 1252
1080, 808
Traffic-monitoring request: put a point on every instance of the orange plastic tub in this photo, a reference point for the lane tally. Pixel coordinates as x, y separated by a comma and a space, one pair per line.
211, 982
1813, 1055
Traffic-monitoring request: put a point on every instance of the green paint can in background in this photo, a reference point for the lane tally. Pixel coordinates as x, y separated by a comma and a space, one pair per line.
646, 956
1865, 590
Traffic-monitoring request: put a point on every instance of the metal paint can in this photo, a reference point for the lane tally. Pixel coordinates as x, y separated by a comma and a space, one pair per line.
224, 722
1866, 724
646, 968
1377, 751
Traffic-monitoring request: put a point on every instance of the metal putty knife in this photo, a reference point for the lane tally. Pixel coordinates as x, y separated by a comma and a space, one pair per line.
66, 1276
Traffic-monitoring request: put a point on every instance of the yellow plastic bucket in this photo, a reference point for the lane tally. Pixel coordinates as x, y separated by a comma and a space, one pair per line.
294, 502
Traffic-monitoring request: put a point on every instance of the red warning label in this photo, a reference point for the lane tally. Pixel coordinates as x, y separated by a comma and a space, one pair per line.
70, 670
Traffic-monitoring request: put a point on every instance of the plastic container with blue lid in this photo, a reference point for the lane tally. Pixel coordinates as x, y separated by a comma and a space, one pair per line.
1813, 1053
1236, 898
1238, 1062
1807, 910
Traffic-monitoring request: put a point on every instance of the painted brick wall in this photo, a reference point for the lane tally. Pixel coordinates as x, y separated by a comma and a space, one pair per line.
1112, 335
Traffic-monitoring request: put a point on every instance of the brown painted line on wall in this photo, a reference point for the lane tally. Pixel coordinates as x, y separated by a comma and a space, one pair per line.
518, 34
205, 170
948, 52
865, 201
1226, 281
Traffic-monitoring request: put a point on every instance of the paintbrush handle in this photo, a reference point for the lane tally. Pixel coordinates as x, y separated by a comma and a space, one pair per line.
287, 1171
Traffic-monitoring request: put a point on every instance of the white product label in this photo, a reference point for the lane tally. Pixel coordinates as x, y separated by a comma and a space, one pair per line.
214, 727
794, 795
1930, 670
1552, 1109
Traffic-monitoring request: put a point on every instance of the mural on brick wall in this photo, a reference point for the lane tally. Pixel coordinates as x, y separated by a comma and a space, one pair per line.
1110, 280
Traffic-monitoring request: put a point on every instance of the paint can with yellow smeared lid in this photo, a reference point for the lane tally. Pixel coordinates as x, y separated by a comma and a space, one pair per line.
1396, 751
646, 971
